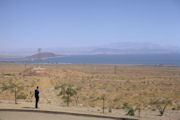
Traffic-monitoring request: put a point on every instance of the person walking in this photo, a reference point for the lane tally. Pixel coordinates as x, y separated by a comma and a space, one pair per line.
37, 97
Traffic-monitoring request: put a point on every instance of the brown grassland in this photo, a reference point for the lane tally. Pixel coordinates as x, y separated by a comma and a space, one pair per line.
136, 85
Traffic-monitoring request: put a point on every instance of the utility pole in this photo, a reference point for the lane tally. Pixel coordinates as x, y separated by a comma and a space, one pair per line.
115, 69
15, 94
39, 54
103, 103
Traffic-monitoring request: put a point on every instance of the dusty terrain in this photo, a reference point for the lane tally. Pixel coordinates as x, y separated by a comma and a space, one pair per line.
42, 116
135, 85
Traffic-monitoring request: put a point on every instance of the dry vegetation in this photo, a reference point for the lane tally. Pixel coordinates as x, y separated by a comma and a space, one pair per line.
139, 86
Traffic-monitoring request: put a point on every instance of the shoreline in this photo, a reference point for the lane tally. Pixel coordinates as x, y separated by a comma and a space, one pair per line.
59, 63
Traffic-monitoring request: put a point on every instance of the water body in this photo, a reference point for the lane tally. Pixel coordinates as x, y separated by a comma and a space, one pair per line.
149, 59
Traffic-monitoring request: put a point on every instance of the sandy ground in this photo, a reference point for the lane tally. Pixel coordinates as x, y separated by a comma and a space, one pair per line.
42, 116
145, 114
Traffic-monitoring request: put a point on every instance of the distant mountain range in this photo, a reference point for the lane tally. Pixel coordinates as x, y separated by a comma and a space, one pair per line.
120, 48
136, 48
113, 48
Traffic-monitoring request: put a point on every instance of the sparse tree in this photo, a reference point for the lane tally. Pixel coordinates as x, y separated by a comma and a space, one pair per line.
161, 105
138, 108
30, 97
76, 97
140, 104
13, 87
102, 98
67, 92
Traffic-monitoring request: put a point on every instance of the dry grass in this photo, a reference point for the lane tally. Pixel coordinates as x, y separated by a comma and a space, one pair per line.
136, 85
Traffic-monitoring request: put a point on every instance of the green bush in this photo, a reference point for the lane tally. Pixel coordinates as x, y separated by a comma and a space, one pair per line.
131, 112
67, 92
13, 88
10, 86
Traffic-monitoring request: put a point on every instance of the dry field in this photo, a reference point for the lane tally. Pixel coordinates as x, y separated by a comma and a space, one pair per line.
120, 84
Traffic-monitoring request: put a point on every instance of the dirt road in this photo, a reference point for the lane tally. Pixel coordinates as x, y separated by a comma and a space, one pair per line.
42, 116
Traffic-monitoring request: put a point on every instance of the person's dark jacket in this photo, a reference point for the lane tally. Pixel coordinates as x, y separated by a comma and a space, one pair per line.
37, 93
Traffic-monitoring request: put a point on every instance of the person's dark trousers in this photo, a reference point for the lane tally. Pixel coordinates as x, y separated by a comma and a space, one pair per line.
37, 100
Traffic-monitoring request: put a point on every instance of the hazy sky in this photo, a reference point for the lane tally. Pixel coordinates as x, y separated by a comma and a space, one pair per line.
66, 23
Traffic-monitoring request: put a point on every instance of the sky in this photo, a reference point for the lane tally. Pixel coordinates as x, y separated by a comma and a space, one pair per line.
32, 24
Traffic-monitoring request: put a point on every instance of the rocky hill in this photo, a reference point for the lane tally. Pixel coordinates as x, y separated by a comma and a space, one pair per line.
42, 55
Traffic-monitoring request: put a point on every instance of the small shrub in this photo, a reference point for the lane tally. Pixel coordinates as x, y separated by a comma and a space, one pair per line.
116, 100
57, 87
131, 111
110, 109
178, 107
161, 105
102, 98
21, 96
117, 107
4, 87
8, 74
125, 105
12, 87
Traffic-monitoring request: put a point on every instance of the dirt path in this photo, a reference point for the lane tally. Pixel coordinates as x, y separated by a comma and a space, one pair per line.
47, 92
